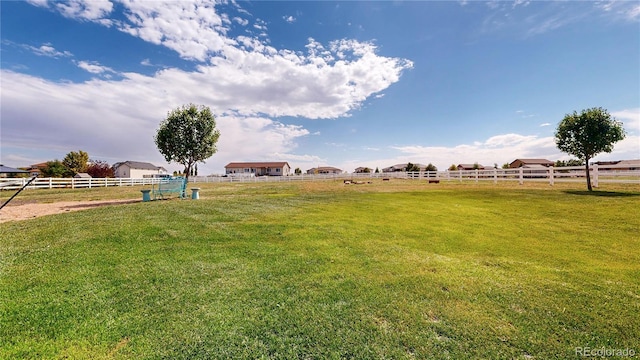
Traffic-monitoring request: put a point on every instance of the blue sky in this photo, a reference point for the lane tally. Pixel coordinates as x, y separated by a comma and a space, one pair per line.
316, 83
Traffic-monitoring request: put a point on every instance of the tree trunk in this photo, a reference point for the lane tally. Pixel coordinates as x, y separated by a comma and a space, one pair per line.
588, 175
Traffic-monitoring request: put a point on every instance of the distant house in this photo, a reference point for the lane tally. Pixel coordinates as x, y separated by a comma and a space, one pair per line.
402, 167
82, 176
36, 169
258, 168
324, 170
470, 167
136, 169
530, 163
621, 165
361, 170
6, 171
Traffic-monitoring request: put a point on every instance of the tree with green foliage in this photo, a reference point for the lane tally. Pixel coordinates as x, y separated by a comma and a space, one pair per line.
412, 168
298, 171
431, 167
587, 134
56, 169
570, 162
453, 167
76, 162
187, 136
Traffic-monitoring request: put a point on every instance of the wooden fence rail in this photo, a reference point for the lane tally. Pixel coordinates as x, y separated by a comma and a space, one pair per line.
551, 175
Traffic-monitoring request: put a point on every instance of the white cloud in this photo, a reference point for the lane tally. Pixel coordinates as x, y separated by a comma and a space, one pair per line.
630, 118
241, 21
94, 67
245, 81
545, 124
48, 50
85, 9
116, 121
290, 19
634, 12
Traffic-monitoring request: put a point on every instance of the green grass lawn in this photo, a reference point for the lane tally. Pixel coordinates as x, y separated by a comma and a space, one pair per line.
398, 269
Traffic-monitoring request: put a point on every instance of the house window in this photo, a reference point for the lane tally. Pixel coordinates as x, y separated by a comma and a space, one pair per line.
277, 170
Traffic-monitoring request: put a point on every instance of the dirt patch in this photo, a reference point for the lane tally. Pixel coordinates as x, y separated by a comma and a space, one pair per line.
34, 210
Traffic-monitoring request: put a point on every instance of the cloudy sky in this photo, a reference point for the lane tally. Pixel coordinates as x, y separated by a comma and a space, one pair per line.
315, 83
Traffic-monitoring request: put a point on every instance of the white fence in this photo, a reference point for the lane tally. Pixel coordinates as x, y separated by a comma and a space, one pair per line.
551, 175
73, 183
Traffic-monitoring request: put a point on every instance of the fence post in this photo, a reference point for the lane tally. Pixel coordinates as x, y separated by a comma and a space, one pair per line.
551, 175
50, 183
495, 175
476, 175
521, 181
595, 175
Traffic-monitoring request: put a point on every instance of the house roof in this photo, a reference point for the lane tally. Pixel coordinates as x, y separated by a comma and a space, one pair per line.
39, 166
82, 175
10, 170
635, 162
533, 161
278, 164
137, 165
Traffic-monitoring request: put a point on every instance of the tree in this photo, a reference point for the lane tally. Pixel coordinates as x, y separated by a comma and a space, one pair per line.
453, 167
76, 162
570, 162
100, 169
188, 135
412, 168
56, 169
298, 171
431, 167
587, 134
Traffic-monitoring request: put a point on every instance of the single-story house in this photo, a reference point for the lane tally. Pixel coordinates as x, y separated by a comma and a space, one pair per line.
9, 171
402, 167
625, 165
136, 169
324, 170
530, 163
258, 168
36, 169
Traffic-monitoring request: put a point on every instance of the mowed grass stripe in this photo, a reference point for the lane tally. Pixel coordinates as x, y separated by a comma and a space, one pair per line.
326, 271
